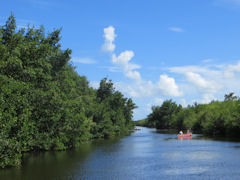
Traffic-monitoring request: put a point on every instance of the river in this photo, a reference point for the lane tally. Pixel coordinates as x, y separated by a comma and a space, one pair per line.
145, 154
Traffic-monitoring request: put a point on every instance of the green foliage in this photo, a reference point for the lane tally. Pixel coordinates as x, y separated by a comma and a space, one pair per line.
162, 115
230, 97
44, 103
113, 113
213, 119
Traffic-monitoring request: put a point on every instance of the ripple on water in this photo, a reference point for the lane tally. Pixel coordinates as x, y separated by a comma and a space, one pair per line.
172, 155
202, 155
199, 155
186, 171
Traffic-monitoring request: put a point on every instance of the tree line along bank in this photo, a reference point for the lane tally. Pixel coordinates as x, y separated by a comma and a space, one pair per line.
44, 103
218, 118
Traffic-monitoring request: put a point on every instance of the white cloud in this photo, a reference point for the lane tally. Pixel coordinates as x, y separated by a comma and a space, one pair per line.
231, 69
165, 87
83, 60
202, 84
109, 36
168, 86
183, 102
214, 72
197, 80
94, 84
137, 90
158, 101
123, 59
134, 75
128, 68
207, 98
206, 83
234, 67
175, 29
196, 69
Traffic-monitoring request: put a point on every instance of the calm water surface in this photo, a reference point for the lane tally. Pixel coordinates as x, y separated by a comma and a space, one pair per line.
146, 154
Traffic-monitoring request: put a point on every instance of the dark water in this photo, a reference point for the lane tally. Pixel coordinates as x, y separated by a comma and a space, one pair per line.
146, 154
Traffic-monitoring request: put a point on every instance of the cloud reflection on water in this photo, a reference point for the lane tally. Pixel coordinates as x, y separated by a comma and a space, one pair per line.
186, 170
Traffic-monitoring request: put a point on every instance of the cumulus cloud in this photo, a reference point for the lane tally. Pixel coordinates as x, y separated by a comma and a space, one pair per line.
197, 79
165, 87
152, 92
138, 90
208, 82
201, 83
134, 75
122, 61
168, 86
128, 68
109, 36
175, 29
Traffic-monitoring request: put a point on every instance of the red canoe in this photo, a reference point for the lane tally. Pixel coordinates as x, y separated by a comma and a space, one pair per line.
184, 135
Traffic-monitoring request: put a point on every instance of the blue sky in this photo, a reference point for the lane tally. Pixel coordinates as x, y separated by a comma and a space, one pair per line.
185, 50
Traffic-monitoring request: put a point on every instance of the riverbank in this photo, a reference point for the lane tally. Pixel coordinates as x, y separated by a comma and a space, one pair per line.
216, 119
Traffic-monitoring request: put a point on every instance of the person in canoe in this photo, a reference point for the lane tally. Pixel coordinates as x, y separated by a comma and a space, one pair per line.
188, 135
